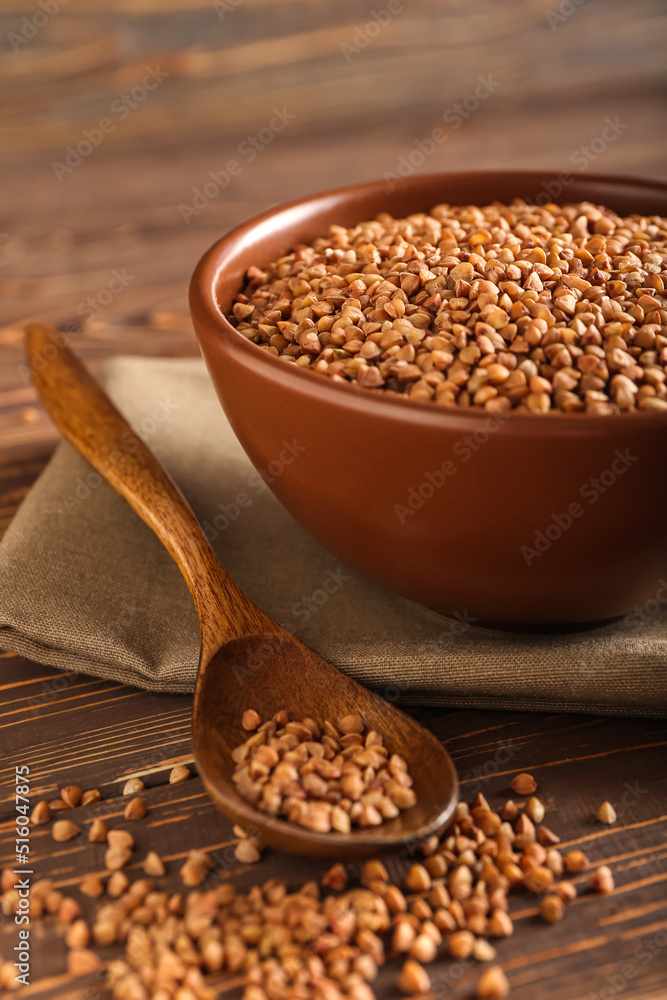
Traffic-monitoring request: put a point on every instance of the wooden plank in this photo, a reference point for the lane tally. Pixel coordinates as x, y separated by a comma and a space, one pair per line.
577, 761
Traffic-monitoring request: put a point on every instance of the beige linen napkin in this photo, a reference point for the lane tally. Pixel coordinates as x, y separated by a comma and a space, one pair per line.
86, 587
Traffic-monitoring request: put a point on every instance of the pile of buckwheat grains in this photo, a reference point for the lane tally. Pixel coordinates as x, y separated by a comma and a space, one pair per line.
328, 777
325, 941
503, 307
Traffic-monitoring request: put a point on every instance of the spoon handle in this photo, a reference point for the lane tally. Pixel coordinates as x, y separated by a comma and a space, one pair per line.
85, 415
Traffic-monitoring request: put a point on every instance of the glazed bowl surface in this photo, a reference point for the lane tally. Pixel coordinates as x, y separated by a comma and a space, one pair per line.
518, 521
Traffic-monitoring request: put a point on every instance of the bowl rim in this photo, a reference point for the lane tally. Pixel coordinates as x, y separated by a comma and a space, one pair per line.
208, 273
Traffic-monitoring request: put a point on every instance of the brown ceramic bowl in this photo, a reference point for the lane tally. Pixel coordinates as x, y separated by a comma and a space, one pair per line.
589, 492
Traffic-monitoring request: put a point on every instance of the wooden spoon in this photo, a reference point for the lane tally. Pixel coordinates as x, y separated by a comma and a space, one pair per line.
246, 659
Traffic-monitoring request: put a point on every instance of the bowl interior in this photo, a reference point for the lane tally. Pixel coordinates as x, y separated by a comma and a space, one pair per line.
220, 274
275, 232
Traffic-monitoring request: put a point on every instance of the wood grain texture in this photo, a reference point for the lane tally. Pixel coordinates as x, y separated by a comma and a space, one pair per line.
98, 734
60, 242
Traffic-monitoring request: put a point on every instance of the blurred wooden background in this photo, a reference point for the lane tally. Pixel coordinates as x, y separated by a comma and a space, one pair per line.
361, 97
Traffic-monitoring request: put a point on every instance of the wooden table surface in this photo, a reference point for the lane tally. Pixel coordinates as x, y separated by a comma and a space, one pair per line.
361, 100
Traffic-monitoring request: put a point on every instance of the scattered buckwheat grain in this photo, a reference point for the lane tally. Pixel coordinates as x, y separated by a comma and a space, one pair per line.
153, 864
247, 851
91, 885
178, 774
63, 830
575, 861
284, 944
493, 984
552, 909
606, 813
98, 831
602, 880
71, 796
133, 786
41, 814
120, 838
523, 784
135, 809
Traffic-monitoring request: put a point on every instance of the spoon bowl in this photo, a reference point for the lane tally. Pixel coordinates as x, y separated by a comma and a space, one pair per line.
271, 672
246, 660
